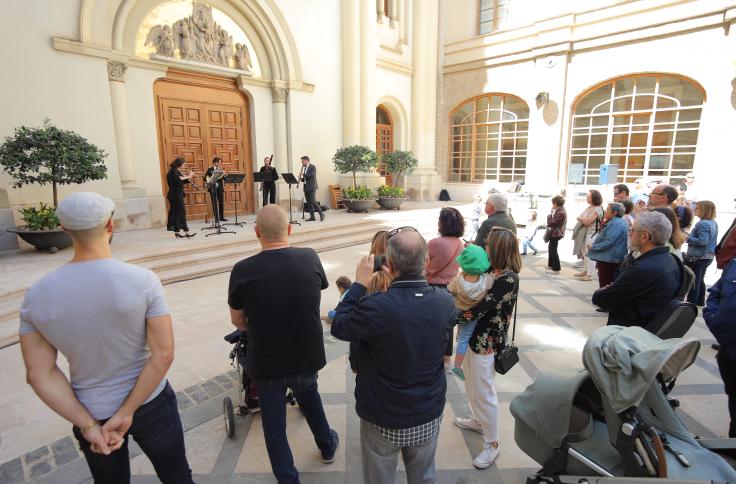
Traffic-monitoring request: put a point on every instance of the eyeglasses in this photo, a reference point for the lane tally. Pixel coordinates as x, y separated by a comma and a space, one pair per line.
660, 194
399, 229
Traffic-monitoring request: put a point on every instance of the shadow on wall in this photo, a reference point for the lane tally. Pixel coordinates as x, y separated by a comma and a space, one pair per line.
733, 93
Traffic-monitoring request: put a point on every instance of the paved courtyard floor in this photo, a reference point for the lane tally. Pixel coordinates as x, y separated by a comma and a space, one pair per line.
555, 317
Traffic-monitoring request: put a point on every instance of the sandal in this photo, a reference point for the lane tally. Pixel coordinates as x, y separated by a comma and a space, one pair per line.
585, 278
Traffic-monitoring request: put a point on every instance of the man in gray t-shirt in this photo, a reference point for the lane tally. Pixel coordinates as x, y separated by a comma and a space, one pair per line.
110, 320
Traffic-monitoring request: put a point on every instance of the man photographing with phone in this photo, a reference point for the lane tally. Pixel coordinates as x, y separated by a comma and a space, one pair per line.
402, 333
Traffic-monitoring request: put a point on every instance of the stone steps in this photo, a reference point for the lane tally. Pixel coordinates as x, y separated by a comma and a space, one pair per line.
204, 260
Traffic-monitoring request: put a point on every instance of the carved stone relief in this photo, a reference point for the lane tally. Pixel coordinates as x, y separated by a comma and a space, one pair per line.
199, 38
116, 70
279, 94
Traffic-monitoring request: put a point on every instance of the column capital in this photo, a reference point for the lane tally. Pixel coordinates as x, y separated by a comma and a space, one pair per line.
279, 94
116, 70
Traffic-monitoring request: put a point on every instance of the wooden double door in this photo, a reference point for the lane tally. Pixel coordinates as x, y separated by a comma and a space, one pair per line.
199, 122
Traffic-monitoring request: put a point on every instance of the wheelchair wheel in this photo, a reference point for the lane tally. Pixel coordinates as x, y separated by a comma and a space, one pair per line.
229, 415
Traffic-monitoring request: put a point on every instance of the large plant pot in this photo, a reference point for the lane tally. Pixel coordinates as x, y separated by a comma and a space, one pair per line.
48, 240
359, 205
391, 203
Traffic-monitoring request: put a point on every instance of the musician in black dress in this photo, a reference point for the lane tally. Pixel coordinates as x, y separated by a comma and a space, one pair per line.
268, 185
218, 192
177, 220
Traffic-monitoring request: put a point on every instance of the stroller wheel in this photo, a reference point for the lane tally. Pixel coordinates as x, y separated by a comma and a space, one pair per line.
229, 415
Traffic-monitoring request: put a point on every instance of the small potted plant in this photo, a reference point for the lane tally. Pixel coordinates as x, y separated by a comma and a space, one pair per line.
398, 163
48, 155
353, 159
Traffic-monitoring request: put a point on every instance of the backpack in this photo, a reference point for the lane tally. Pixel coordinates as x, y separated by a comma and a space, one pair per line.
444, 196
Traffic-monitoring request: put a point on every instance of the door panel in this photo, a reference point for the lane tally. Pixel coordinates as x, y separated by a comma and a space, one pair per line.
199, 129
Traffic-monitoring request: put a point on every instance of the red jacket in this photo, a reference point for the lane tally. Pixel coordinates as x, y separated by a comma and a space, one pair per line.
726, 248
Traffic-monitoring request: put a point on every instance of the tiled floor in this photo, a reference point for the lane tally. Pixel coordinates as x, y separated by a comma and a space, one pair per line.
554, 320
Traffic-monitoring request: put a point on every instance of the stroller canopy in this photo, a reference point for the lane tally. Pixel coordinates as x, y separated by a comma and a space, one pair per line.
547, 404
624, 362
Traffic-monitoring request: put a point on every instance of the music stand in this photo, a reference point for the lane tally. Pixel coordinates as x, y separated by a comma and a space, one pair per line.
290, 179
234, 179
216, 226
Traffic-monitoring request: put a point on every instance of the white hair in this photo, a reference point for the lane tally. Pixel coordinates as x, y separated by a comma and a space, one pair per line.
656, 224
499, 202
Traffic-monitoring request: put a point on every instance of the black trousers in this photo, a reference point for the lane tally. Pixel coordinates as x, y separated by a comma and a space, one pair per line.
727, 367
218, 196
312, 203
553, 258
269, 193
177, 219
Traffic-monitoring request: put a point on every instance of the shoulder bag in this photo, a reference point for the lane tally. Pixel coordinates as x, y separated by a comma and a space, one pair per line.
509, 355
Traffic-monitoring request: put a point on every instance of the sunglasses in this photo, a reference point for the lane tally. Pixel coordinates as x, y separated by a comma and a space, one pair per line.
399, 229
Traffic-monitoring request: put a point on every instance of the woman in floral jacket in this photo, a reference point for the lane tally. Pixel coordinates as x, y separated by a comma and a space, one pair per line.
494, 316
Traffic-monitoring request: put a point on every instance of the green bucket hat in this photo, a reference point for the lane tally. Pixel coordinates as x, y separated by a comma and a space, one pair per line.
473, 260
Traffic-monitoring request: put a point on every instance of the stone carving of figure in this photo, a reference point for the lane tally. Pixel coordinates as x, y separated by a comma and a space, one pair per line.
225, 48
183, 38
204, 33
160, 37
242, 57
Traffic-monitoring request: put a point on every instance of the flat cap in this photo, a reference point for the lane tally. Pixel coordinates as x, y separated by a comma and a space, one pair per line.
84, 210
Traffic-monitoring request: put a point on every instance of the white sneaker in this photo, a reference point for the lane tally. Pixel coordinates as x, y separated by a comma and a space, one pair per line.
487, 456
470, 423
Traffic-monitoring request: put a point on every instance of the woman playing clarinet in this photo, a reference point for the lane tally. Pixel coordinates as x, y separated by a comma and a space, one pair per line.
177, 220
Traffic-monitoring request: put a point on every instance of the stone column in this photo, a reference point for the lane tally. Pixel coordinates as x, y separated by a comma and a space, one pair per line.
280, 150
424, 182
368, 39
116, 75
350, 73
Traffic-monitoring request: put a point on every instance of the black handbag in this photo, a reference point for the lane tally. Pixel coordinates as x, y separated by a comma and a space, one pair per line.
509, 355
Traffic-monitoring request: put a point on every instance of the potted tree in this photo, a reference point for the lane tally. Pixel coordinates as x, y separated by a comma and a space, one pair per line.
398, 162
48, 155
353, 159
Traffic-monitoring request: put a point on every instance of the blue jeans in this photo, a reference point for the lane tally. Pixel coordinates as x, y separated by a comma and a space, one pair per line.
697, 292
463, 337
157, 430
528, 244
272, 397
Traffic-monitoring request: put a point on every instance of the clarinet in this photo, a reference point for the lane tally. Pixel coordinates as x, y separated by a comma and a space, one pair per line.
301, 177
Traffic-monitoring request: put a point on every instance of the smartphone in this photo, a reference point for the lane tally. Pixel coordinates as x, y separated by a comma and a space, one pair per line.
378, 262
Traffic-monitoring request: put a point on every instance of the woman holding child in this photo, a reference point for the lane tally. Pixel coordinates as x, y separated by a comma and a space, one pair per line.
492, 315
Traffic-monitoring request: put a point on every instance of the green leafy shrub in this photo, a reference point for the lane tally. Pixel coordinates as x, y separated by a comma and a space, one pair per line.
41, 218
391, 191
51, 155
361, 192
399, 162
353, 159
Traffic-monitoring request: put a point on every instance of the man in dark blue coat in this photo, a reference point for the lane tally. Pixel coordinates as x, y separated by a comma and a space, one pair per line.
651, 282
309, 177
720, 316
401, 384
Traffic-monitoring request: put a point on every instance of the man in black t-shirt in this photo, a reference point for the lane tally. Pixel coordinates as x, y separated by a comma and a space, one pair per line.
275, 296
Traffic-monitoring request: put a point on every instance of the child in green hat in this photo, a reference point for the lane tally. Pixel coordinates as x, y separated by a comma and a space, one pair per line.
468, 288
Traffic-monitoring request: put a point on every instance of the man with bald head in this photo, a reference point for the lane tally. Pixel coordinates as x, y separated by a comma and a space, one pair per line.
275, 296
401, 384
663, 196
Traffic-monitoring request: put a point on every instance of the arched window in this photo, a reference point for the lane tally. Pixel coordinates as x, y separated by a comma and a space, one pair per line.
384, 136
488, 138
647, 125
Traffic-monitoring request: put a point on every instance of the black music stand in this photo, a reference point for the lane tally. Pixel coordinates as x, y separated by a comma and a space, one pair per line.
234, 179
259, 177
290, 179
216, 226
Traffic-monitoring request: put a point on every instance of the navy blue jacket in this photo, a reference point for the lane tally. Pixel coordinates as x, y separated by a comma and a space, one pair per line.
611, 243
402, 333
720, 310
638, 294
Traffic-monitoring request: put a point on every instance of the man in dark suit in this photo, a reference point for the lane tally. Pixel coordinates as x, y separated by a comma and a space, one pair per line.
651, 282
309, 177
218, 192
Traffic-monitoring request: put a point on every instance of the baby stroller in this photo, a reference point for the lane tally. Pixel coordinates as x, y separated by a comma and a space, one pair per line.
614, 419
248, 393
